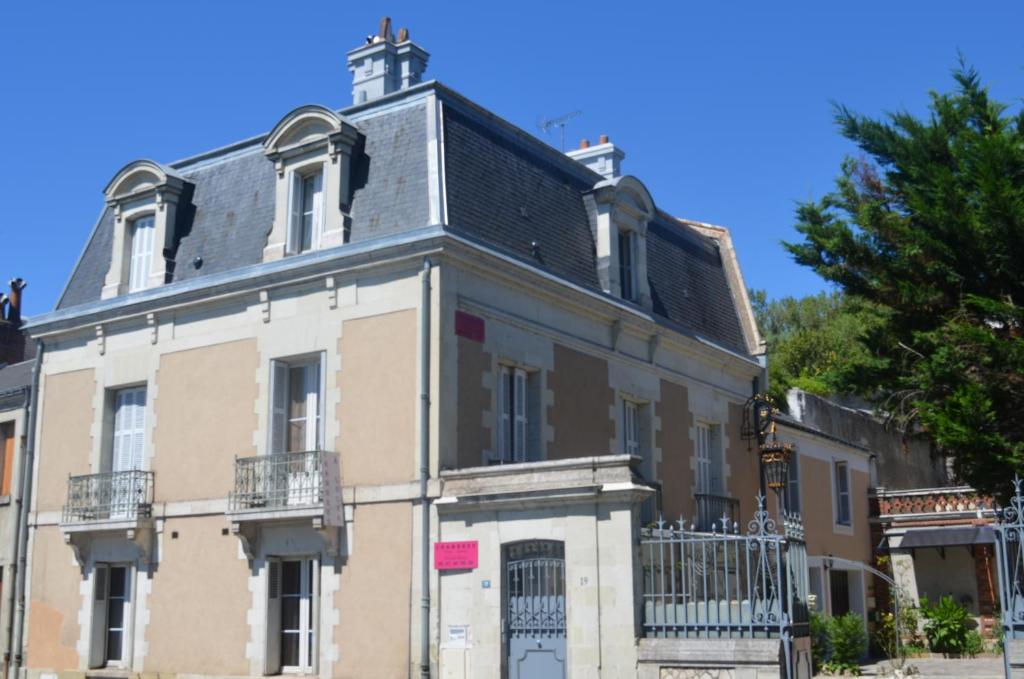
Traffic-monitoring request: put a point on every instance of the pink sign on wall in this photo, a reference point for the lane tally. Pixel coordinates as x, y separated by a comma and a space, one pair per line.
457, 555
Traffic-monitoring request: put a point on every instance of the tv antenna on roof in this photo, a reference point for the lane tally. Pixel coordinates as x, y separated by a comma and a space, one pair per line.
560, 122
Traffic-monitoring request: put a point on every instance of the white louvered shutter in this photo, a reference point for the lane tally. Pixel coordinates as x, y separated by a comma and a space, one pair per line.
129, 430
318, 211
143, 230
716, 455
631, 431
703, 459
293, 238
273, 645
505, 418
278, 407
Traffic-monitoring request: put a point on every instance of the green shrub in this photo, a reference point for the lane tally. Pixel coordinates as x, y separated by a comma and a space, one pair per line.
946, 626
819, 641
847, 642
974, 645
884, 635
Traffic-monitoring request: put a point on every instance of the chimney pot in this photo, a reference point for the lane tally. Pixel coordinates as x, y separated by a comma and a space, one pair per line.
584, 143
603, 139
385, 29
403, 34
14, 301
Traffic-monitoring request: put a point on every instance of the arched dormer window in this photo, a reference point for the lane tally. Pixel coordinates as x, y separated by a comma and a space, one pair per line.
620, 209
311, 149
144, 198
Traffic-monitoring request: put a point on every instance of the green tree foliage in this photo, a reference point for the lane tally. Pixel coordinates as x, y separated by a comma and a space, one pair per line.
928, 228
815, 343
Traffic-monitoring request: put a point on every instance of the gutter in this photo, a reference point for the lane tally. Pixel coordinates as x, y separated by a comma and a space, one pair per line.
425, 472
17, 643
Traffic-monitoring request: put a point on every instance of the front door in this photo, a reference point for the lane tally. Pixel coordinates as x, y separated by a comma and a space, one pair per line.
535, 609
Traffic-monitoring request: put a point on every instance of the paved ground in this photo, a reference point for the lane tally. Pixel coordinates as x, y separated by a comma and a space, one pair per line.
987, 667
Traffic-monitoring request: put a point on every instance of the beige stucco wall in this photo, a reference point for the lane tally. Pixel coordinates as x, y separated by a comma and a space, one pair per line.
198, 601
377, 411
205, 415
580, 415
373, 597
818, 511
55, 598
65, 444
677, 450
474, 399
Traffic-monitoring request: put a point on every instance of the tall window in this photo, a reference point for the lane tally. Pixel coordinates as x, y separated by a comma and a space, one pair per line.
291, 612
518, 415
129, 434
296, 406
142, 230
110, 616
627, 265
709, 461
306, 223
7, 450
631, 428
842, 481
793, 485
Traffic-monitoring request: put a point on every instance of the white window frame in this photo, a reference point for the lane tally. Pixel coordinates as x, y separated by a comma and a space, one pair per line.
128, 432
309, 615
142, 230
99, 651
513, 414
632, 443
280, 389
296, 211
628, 281
841, 475
710, 472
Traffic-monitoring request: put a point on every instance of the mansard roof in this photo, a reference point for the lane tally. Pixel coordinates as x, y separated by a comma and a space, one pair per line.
504, 189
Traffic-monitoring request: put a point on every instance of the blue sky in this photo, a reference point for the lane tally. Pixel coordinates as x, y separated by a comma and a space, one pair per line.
722, 108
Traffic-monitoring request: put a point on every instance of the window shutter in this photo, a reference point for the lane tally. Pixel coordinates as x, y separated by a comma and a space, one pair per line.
129, 430
138, 429
715, 454
311, 375
293, 237
98, 632
278, 406
273, 645
519, 435
318, 210
505, 415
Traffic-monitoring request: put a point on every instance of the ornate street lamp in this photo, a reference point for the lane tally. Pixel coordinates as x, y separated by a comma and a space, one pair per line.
774, 456
775, 459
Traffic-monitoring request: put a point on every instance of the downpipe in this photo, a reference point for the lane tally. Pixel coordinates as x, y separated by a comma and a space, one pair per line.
425, 472
18, 643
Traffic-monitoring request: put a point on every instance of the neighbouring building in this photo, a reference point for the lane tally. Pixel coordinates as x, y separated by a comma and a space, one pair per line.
397, 390
16, 366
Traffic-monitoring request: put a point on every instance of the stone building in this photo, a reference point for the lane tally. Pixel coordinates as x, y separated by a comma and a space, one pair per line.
331, 400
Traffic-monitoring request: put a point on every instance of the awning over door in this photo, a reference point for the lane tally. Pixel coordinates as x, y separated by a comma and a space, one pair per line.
949, 536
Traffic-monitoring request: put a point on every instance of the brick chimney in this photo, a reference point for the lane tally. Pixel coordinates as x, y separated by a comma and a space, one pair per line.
603, 157
385, 65
12, 342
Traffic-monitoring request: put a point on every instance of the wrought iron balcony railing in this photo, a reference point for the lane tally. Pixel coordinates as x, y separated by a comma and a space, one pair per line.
279, 481
711, 509
110, 496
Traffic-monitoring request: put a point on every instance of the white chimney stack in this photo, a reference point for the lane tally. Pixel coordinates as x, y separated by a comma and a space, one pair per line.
385, 65
604, 158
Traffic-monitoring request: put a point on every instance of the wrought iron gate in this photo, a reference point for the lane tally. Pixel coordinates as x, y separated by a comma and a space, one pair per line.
535, 609
1009, 530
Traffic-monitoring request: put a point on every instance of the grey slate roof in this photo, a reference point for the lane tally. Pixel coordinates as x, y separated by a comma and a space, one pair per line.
15, 381
505, 189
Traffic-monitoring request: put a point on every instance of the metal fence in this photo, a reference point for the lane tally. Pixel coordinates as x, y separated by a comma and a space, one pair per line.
279, 480
725, 584
711, 509
109, 496
1009, 531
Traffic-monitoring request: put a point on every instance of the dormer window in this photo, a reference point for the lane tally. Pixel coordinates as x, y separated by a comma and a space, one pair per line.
311, 149
143, 197
307, 211
142, 234
619, 210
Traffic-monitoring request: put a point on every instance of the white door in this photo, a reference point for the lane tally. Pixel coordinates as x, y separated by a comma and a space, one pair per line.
111, 615
298, 577
128, 449
296, 428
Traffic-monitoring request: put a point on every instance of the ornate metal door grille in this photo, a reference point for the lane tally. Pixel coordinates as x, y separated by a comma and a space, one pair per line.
535, 609
1009, 530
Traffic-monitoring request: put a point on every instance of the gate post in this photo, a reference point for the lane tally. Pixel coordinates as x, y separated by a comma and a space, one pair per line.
1009, 531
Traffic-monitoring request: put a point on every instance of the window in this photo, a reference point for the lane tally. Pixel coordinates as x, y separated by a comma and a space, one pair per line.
291, 615
631, 428
129, 435
7, 450
142, 236
709, 460
627, 265
518, 415
793, 485
842, 483
306, 212
110, 616
297, 402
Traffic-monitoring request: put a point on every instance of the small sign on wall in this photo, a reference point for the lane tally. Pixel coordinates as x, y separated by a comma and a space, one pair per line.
469, 326
458, 555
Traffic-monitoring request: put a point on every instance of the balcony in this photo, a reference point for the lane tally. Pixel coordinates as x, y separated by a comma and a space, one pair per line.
107, 504
712, 509
282, 487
